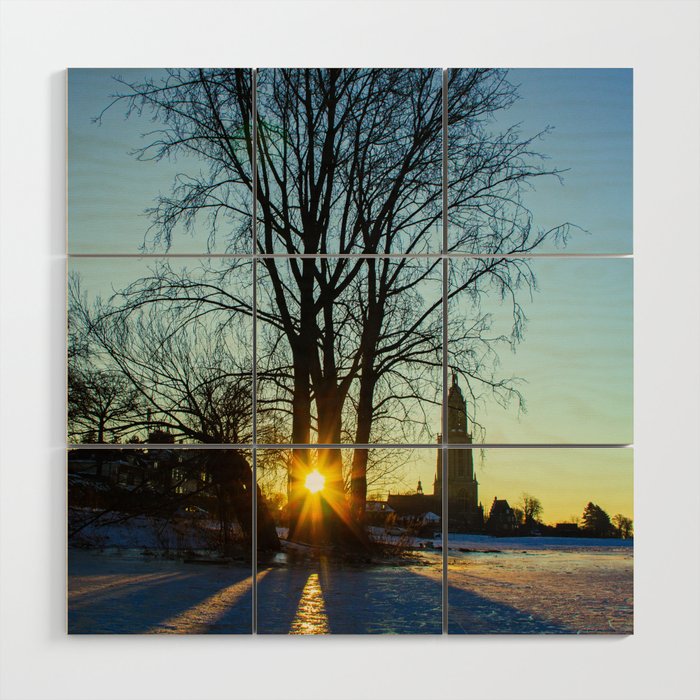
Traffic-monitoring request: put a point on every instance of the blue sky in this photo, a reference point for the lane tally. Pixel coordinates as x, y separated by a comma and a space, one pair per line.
108, 188
575, 357
577, 353
590, 112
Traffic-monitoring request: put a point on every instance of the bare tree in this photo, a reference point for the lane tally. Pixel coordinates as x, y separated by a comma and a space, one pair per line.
349, 161
188, 378
531, 508
101, 402
624, 526
101, 405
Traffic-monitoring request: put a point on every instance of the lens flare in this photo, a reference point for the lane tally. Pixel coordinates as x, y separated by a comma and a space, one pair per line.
315, 481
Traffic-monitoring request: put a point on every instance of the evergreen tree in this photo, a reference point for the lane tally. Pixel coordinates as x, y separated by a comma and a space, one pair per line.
596, 522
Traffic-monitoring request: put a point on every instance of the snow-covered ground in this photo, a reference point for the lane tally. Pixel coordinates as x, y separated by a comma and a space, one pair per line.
106, 530
323, 598
127, 593
495, 585
553, 585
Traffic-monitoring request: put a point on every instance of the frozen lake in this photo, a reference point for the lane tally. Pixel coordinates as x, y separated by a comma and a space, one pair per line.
540, 585
125, 592
528, 586
128, 593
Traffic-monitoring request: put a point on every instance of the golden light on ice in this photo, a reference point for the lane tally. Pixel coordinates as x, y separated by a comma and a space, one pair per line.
315, 481
311, 617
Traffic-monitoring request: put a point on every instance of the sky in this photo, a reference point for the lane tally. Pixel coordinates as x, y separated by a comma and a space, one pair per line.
108, 188
105, 276
564, 479
576, 357
574, 365
590, 112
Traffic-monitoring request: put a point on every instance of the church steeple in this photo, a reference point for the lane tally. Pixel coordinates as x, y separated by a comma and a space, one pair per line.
456, 412
462, 486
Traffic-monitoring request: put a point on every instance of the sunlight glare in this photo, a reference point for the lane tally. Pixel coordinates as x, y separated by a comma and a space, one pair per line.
315, 481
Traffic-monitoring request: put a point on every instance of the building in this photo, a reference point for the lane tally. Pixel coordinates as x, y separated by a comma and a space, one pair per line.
502, 520
466, 514
418, 511
414, 505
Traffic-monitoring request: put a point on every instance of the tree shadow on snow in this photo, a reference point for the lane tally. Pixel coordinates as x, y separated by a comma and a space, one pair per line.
141, 597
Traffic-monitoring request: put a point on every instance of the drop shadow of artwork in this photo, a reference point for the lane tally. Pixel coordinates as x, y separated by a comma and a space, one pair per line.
320, 599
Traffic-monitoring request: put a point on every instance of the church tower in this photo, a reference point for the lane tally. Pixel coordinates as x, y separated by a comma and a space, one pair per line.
465, 513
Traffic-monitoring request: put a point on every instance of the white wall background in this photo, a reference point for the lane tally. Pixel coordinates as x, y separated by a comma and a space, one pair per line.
40, 39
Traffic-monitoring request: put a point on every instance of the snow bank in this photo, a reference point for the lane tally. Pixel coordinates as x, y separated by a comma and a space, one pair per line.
141, 532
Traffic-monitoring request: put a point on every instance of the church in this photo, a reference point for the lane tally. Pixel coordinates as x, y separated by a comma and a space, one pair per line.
465, 513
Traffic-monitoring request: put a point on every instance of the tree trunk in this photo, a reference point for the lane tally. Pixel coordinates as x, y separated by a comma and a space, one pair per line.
330, 461
301, 435
302, 349
235, 478
267, 531
365, 405
339, 528
358, 476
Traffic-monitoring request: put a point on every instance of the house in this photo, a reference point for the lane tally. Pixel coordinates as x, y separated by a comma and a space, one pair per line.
502, 520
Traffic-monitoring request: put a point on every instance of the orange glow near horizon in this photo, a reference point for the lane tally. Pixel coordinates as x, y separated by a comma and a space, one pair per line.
315, 481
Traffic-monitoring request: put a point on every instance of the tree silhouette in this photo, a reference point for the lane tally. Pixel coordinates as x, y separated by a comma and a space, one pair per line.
181, 376
623, 525
595, 521
531, 508
184, 363
348, 162
102, 403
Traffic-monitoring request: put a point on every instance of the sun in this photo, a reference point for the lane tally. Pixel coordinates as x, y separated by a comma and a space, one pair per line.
315, 481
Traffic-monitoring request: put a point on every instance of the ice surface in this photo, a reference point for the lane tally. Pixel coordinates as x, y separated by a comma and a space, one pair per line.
495, 585
526, 585
128, 593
